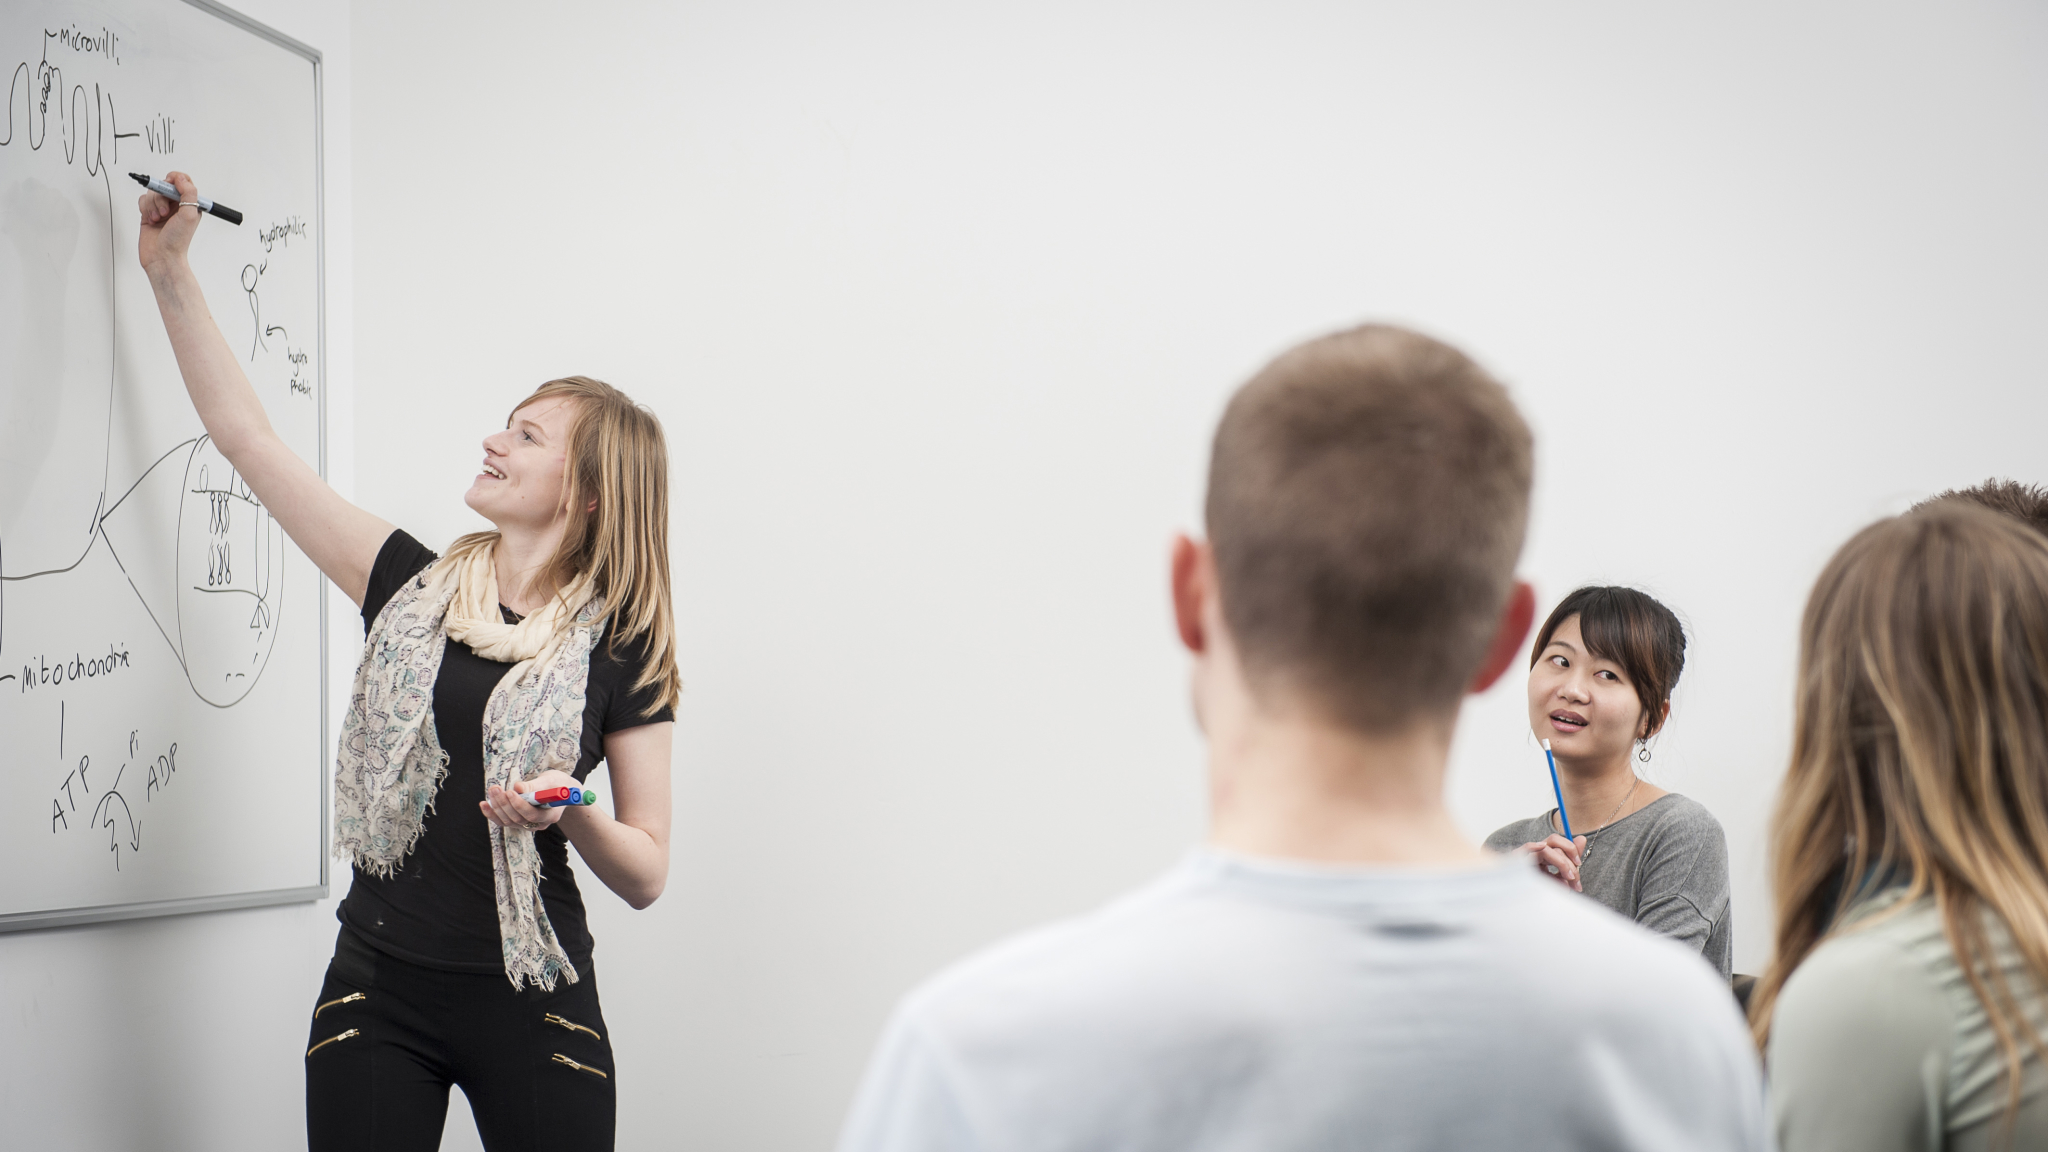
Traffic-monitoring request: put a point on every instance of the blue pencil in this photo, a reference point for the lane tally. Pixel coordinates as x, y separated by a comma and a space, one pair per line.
1566, 820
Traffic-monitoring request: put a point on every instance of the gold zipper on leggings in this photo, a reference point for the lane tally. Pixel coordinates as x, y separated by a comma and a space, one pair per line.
571, 1025
348, 999
332, 1039
577, 1065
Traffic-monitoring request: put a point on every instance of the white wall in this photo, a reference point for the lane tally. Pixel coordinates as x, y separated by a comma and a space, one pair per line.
939, 306
186, 1032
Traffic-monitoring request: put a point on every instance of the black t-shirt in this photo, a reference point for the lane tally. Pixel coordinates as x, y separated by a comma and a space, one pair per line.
440, 908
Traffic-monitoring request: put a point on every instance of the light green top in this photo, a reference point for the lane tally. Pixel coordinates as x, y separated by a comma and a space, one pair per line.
1878, 1044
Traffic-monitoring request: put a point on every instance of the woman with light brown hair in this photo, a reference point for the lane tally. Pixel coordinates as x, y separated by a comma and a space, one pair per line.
1906, 1006
513, 664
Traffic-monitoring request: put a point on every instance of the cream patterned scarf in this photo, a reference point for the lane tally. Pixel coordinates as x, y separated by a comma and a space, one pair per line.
390, 762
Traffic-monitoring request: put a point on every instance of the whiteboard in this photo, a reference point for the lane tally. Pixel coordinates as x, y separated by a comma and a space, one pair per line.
162, 674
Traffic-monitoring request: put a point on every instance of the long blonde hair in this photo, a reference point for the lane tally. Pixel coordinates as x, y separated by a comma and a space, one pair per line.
617, 454
1920, 751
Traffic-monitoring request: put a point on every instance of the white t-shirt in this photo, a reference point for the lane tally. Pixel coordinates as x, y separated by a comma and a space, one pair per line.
1249, 1004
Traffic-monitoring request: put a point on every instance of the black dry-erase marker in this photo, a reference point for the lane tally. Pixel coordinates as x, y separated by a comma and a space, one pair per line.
170, 193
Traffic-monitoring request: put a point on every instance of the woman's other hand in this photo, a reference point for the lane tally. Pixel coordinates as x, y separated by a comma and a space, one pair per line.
510, 809
167, 229
1558, 857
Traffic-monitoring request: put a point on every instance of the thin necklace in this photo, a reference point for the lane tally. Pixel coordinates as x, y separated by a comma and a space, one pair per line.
1634, 780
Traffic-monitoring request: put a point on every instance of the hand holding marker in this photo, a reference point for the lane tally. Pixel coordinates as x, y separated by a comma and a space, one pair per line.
1562, 818
561, 797
200, 202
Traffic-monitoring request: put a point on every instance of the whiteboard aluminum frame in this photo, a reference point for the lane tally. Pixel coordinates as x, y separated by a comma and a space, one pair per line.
180, 906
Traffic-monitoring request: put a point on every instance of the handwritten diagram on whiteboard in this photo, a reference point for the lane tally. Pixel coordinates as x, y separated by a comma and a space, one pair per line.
161, 688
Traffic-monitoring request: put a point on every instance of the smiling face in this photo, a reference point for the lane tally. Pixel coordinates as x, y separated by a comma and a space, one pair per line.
1583, 704
520, 483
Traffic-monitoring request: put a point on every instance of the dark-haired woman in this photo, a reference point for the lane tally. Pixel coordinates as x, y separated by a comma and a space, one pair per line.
1600, 681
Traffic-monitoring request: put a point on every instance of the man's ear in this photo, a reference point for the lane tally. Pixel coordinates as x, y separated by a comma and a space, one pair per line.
1193, 576
1507, 640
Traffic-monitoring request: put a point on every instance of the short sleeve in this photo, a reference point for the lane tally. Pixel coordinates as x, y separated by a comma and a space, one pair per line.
611, 702
907, 1102
628, 705
1684, 887
400, 559
1859, 1051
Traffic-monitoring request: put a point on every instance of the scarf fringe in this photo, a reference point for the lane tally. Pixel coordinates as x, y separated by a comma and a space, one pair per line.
384, 867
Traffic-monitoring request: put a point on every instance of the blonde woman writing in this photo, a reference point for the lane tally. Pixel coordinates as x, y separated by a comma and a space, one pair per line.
514, 663
1904, 1008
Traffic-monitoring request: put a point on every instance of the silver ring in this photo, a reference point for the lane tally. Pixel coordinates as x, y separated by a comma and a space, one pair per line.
189, 204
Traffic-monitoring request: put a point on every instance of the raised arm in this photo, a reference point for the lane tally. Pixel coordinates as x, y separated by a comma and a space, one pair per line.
341, 538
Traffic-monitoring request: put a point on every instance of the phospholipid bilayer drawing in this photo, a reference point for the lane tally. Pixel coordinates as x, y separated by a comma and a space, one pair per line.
86, 500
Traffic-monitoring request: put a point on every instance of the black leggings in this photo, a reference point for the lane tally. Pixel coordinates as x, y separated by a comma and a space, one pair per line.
389, 1037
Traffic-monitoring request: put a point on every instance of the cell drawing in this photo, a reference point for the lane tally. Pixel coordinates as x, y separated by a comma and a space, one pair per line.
207, 560
230, 579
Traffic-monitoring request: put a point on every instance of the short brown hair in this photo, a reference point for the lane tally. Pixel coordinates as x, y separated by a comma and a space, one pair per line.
1632, 629
2027, 501
1368, 493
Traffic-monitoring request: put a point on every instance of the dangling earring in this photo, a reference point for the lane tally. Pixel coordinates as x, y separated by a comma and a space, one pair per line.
1643, 751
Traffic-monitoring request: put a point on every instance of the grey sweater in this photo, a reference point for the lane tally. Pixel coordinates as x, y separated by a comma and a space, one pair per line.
1664, 867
